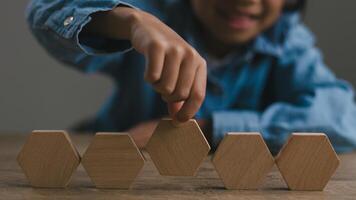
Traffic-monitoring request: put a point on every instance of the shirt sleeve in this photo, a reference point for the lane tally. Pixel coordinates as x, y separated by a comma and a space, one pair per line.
309, 99
57, 26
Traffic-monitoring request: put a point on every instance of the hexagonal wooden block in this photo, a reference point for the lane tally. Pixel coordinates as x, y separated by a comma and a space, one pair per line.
177, 151
112, 160
242, 160
307, 161
48, 159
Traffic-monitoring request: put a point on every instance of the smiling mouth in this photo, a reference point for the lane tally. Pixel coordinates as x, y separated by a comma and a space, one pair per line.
238, 20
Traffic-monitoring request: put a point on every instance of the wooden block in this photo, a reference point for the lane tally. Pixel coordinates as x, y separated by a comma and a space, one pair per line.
112, 160
48, 159
242, 160
177, 151
307, 161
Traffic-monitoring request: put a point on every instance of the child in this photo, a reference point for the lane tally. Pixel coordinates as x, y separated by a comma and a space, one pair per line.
234, 65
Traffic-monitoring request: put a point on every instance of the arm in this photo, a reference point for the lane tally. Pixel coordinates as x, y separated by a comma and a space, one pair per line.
309, 98
173, 67
58, 26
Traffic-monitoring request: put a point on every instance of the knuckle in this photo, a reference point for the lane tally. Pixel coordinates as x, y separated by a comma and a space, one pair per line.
152, 77
203, 63
167, 89
157, 45
176, 50
182, 95
190, 53
163, 88
198, 96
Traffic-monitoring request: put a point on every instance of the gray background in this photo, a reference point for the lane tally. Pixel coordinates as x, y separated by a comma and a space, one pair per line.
36, 92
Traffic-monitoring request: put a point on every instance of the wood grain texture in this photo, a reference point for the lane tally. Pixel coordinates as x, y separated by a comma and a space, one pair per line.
307, 161
112, 160
177, 151
242, 160
48, 159
149, 185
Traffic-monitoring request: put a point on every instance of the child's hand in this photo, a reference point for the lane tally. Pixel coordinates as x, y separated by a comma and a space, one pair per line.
173, 67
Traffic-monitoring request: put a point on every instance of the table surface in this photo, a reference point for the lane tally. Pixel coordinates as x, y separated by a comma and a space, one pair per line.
150, 185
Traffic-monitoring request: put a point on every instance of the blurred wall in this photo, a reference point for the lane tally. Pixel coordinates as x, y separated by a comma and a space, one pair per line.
36, 92
334, 24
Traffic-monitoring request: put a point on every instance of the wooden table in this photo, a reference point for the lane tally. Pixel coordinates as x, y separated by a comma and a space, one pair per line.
150, 185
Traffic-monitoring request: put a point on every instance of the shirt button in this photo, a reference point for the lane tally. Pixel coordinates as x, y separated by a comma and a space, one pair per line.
68, 20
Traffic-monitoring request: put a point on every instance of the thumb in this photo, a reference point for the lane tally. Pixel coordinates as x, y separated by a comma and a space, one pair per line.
173, 109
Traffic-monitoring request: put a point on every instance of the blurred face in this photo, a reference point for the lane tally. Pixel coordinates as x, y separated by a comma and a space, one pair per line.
237, 21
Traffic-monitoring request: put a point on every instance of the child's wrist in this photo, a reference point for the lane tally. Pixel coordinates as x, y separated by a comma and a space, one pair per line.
114, 24
128, 17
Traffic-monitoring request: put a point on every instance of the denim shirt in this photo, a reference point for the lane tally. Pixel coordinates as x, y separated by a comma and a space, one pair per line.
277, 84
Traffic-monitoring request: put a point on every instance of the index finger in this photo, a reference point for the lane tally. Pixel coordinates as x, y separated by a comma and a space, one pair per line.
174, 107
196, 97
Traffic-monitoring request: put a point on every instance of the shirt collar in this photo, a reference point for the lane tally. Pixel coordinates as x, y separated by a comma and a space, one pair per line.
271, 42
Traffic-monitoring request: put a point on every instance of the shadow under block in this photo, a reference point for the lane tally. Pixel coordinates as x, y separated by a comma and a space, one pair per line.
112, 160
177, 151
48, 159
242, 160
307, 161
